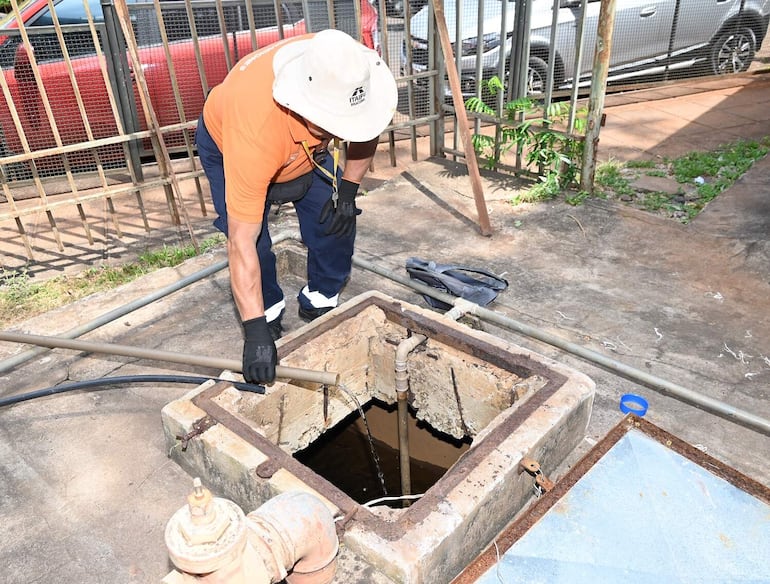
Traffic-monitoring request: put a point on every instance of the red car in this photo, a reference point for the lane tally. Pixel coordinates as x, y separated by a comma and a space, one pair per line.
103, 113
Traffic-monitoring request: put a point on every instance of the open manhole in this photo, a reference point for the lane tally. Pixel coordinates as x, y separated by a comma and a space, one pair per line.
476, 406
361, 455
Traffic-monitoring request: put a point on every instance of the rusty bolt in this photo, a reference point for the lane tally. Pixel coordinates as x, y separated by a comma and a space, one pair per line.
199, 502
205, 523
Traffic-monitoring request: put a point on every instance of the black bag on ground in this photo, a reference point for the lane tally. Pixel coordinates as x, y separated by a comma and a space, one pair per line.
472, 284
289, 191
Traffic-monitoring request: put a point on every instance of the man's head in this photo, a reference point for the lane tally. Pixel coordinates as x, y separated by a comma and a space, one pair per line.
337, 84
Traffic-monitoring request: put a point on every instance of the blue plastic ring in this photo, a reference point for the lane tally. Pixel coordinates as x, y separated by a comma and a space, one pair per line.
633, 404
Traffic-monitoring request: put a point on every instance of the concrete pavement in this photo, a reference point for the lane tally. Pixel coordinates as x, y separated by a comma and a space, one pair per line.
86, 486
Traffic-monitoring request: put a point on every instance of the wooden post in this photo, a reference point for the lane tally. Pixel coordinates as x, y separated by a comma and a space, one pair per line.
462, 119
598, 90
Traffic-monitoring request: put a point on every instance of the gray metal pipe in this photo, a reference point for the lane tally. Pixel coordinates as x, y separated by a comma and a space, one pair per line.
320, 377
678, 392
402, 387
12, 362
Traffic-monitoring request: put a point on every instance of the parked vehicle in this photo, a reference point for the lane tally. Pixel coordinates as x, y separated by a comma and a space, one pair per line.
650, 36
89, 79
397, 8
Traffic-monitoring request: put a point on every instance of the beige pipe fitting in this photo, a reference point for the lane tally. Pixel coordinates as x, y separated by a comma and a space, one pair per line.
212, 542
305, 528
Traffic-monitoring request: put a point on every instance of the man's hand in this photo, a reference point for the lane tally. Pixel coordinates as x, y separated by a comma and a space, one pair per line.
259, 354
343, 220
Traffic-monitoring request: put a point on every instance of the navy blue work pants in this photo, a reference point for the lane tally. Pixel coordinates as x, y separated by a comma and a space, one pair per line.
329, 258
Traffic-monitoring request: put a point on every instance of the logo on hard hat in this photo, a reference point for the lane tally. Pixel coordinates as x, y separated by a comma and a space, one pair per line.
358, 96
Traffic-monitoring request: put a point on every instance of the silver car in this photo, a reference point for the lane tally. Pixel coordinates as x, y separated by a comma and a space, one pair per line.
650, 36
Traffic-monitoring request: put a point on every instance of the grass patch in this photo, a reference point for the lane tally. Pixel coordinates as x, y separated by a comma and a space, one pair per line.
719, 169
609, 175
22, 297
655, 201
702, 176
576, 198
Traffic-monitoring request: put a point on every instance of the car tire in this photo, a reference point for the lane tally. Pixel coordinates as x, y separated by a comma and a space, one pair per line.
733, 50
537, 73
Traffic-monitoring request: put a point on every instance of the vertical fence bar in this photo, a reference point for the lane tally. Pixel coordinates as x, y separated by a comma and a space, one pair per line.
578, 66
164, 160
551, 59
435, 97
479, 69
15, 212
278, 17
23, 138
124, 107
455, 58
197, 46
178, 101
253, 26
386, 56
412, 106
229, 58
503, 72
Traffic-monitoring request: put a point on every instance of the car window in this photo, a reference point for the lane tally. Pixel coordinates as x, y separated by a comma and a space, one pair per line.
68, 12
143, 19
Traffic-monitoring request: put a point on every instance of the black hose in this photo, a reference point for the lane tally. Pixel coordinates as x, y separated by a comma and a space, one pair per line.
87, 383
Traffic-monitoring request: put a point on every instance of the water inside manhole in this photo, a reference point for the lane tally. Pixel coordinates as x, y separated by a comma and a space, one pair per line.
343, 455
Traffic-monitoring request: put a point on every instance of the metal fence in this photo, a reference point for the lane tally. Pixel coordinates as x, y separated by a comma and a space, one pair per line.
90, 93
544, 49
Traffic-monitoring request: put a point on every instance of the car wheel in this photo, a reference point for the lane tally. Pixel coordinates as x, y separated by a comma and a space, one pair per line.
537, 73
733, 51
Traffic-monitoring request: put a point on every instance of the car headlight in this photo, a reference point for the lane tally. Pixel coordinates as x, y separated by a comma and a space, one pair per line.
489, 41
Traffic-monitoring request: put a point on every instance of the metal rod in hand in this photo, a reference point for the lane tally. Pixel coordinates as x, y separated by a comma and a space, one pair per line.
320, 377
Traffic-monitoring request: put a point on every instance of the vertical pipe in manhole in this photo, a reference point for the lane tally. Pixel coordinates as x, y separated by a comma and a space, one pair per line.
402, 386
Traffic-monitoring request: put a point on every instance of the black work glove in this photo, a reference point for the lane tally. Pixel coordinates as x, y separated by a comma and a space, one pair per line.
343, 215
259, 354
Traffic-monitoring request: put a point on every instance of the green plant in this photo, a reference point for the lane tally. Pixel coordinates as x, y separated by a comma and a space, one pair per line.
707, 174
577, 198
546, 188
553, 156
18, 286
609, 174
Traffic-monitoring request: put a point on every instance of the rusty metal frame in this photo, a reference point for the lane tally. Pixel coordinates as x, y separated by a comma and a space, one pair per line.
127, 136
439, 331
631, 422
